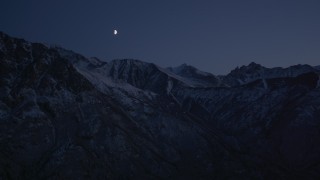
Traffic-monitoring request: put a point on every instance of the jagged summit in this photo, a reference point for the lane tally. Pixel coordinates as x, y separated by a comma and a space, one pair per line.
247, 68
254, 71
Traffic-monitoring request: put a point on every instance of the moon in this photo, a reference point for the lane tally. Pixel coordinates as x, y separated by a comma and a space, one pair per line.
115, 32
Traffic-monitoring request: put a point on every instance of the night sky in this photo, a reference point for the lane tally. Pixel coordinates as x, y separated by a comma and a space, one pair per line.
214, 36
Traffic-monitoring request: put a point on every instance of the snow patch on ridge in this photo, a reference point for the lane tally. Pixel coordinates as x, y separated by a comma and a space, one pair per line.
169, 86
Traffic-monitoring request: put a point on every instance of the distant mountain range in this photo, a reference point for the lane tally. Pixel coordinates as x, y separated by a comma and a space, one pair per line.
65, 116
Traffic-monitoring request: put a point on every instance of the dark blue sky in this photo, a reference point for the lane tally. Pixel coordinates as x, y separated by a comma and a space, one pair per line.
212, 35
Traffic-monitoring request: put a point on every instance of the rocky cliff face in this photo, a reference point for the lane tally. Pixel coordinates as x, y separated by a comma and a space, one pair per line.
65, 116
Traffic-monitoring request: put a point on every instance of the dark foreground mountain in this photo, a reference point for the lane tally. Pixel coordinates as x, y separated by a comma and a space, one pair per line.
64, 116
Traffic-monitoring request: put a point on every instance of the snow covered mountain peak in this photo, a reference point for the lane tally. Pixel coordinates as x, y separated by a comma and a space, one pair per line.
96, 61
197, 77
187, 70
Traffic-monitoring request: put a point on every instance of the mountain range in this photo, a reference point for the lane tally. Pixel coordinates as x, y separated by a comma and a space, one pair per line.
66, 116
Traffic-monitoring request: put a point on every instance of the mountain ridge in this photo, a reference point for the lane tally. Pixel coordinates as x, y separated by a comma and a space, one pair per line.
65, 116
